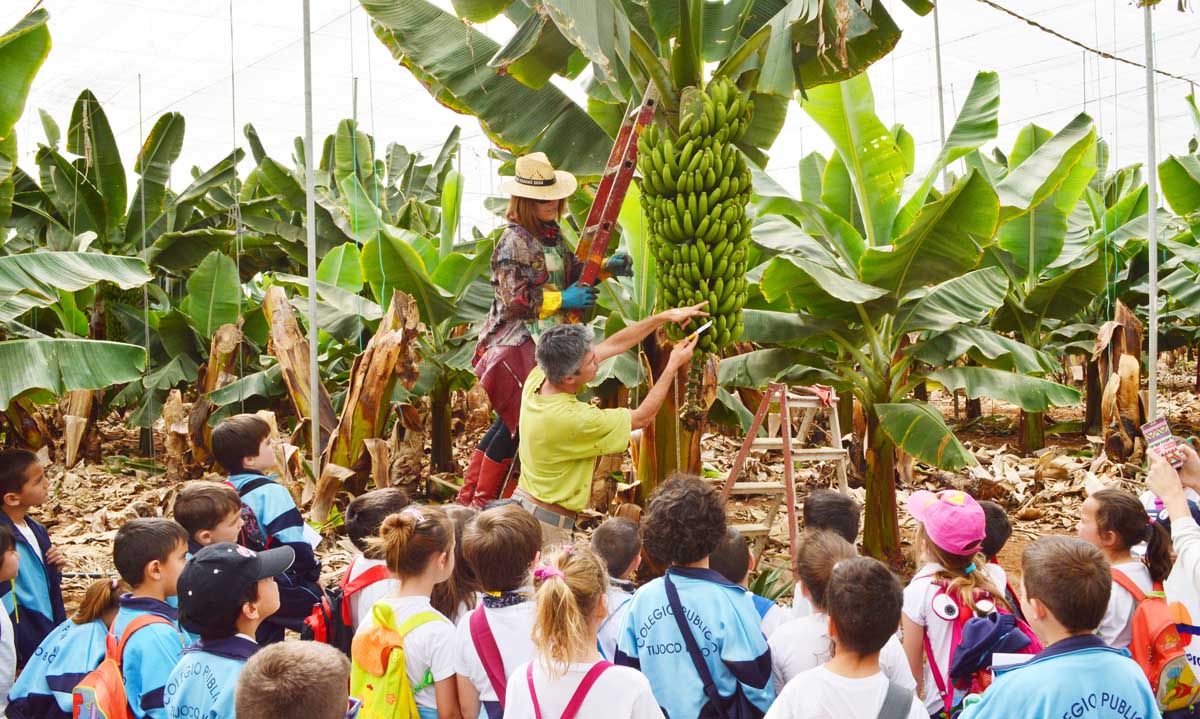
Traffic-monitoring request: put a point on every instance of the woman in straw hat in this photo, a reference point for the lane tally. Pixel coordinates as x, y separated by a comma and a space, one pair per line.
535, 278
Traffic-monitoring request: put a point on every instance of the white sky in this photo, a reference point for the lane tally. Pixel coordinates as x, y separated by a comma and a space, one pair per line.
182, 52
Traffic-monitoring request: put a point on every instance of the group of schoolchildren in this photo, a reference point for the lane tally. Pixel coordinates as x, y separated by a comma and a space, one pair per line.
461, 613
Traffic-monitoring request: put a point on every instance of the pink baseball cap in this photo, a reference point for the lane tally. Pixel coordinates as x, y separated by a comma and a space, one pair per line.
953, 520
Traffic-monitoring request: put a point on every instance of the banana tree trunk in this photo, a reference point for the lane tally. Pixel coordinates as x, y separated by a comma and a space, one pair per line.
1091, 412
974, 406
1031, 426
289, 346
881, 533
216, 373
78, 421
388, 357
441, 443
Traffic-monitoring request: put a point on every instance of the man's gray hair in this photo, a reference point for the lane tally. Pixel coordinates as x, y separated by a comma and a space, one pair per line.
561, 349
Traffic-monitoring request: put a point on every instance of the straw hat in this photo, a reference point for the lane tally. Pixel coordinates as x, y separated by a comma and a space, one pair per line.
537, 179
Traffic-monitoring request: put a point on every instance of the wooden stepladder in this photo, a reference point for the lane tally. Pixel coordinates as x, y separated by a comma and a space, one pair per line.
776, 409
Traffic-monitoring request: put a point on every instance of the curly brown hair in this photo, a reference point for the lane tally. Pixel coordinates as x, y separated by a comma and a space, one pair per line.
684, 522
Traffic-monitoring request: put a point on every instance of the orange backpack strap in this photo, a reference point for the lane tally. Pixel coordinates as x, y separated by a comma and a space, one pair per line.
138, 622
1127, 584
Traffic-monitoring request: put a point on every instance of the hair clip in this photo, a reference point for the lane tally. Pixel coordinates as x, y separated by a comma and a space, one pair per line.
568, 549
969, 568
544, 573
114, 582
413, 511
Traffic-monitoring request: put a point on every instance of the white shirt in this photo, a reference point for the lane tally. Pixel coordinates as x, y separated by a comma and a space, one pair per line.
1116, 628
365, 598
619, 693
428, 648
801, 607
618, 608
27, 531
512, 628
775, 618
918, 597
8, 658
820, 694
803, 644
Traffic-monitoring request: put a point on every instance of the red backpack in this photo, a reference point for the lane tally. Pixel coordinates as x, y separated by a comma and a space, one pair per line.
330, 621
101, 693
1157, 645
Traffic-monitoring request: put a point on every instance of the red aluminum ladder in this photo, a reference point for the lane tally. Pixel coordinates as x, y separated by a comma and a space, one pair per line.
593, 241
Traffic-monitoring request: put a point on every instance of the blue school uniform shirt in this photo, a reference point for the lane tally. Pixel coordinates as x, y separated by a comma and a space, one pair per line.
1077, 677
36, 591
150, 654
64, 657
203, 682
280, 522
725, 623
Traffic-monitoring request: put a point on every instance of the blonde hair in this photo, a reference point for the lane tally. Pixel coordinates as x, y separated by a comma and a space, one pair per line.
102, 596
954, 572
523, 211
567, 586
409, 539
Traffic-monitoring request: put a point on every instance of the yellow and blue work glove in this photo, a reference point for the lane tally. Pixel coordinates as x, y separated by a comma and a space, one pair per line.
575, 297
619, 265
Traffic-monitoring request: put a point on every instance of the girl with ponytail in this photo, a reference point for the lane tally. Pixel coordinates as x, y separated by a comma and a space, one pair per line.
418, 546
1115, 522
567, 672
73, 649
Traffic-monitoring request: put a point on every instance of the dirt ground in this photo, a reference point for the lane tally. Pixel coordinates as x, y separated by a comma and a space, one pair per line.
1043, 493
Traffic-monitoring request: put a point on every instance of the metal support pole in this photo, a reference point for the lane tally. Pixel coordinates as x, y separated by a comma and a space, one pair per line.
1152, 196
311, 230
937, 56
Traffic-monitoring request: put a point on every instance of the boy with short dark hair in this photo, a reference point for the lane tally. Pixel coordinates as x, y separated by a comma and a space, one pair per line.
211, 512
618, 542
34, 599
733, 560
863, 599
285, 677
243, 447
225, 593
683, 524
364, 515
149, 554
1066, 584
826, 511
501, 545
997, 530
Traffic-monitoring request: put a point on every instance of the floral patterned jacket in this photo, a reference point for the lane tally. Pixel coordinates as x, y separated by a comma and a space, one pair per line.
519, 274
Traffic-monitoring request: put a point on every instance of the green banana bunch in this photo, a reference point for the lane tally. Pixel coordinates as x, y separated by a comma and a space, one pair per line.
695, 188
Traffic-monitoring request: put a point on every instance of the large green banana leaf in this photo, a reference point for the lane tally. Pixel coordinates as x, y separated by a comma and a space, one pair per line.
987, 348
62, 365
34, 279
451, 58
390, 263
977, 122
179, 252
90, 136
815, 288
1032, 394
962, 300
756, 369
1180, 179
1043, 170
214, 293
919, 429
23, 48
846, 111
159, 152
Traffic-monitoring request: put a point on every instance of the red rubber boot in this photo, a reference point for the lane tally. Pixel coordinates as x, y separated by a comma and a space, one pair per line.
491, 479
471, 478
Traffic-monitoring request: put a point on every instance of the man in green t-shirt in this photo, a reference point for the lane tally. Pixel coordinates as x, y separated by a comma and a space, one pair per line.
561, 437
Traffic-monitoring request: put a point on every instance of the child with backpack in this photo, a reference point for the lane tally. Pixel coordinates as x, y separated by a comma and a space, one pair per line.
74, 648
403, 652
145, 638
242, 446
211, 512
1066, 590
826, 510
225, 592
804, 643
567, 676
692, 632
1115, 522
619, 545
502, 545
863, 600
367, 579
459, 594
997, 530
953, 587
733, 560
